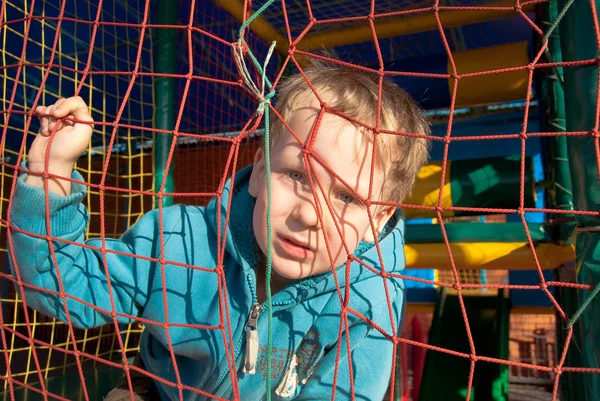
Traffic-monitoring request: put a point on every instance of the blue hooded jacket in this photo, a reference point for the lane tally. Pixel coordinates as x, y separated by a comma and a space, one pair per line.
205, 326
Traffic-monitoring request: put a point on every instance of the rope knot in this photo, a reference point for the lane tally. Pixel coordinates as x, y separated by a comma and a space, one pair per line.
240, 49
264, 102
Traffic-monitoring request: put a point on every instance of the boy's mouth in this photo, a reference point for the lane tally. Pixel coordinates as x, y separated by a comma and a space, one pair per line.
294, 247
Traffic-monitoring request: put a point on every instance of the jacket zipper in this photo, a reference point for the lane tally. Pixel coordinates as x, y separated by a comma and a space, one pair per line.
238, 347
251, 354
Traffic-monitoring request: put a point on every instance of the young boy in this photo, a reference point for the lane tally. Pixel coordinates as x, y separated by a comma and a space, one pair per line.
170, 278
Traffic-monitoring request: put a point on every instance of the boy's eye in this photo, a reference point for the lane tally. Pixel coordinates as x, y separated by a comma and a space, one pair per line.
295, 176
347, 199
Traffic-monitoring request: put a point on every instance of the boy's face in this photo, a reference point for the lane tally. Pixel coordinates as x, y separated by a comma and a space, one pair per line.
299, 248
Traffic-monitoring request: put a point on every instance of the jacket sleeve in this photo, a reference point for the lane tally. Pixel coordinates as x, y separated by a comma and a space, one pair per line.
371, 361
83, 271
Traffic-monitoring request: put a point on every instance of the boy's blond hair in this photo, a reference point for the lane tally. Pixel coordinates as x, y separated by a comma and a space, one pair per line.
355, 93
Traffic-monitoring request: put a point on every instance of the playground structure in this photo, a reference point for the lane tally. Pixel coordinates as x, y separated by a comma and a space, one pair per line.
496, 222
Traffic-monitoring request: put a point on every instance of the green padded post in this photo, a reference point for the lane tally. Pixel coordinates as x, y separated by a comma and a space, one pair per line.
552, 100
560, 193
164, 47
578, 42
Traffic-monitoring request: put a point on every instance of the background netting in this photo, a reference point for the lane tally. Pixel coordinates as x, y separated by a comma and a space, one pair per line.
105, 53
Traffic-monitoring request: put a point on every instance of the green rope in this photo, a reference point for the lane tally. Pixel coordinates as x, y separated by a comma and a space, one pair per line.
583, 306
269, 257
547, 37
252, 57
557, 20
253, 17
263, 109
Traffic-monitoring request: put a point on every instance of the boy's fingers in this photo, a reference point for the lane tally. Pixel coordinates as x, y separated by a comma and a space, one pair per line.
54, 125
68, 106
39, 111
49, 121
83, 114
44, 126
45, 121
59, 102
74, 106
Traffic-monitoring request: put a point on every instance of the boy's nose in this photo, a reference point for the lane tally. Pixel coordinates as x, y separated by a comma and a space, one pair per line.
306, 212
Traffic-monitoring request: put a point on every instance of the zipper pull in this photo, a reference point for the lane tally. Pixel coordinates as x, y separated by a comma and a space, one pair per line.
251, 354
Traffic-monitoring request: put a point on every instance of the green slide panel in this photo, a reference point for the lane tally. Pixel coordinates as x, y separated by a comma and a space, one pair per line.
445, 376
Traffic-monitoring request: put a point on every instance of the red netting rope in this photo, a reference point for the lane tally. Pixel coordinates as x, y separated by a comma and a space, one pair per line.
310, 159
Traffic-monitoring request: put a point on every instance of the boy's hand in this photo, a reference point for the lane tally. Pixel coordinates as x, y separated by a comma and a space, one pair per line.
69, 142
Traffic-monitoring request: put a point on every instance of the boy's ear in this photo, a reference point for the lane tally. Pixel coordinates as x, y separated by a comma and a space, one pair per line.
380, 219
258, 173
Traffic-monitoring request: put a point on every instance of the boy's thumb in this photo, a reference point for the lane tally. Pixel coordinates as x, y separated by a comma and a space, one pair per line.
82, 114
60, 111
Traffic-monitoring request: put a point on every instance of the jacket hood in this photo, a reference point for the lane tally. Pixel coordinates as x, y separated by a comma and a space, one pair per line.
241, 244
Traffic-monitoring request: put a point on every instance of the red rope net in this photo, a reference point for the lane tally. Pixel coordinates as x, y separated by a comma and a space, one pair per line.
118, 174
